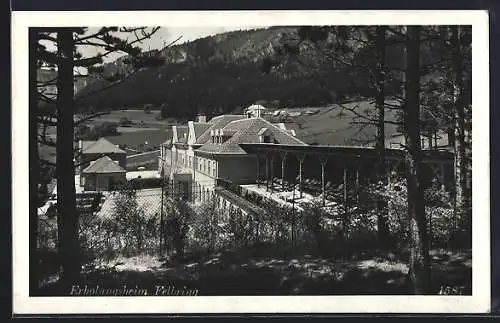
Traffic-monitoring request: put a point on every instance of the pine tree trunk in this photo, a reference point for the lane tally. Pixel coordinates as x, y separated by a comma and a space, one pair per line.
66, 196
461, 205
34, 163
380, 144
419, 252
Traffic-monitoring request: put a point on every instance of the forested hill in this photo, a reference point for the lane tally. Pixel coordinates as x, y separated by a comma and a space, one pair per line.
221, 73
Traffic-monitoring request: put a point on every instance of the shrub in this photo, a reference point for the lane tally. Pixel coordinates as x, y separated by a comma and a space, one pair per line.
176, 226
126, 231
438, 209
147, 108
125, 122
144, 183
205, 230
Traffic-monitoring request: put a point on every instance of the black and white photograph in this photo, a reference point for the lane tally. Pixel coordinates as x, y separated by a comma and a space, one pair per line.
329, 158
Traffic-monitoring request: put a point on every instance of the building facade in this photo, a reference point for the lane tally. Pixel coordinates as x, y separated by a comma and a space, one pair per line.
201, 153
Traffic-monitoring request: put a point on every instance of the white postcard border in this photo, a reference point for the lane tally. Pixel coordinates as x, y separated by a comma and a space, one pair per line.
479, 302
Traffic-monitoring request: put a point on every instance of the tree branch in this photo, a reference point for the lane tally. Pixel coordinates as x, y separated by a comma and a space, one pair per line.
121, 80
90, 117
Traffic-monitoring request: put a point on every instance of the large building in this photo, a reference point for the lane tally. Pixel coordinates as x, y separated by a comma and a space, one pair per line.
242, 160
199, 154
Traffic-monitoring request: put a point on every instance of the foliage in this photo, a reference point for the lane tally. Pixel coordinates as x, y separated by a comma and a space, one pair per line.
176, 226
125, 122
225, 69
85, 132
144, 183
147, 108
130, 221
240, 226
438, 209
205, 230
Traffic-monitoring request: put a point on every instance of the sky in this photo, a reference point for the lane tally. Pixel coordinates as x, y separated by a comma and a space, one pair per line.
166, 35
163, 37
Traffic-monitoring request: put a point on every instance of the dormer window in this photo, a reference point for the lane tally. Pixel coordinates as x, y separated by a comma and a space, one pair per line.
212, 136
265, 135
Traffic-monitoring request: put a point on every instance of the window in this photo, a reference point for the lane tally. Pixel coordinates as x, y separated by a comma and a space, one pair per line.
267, 139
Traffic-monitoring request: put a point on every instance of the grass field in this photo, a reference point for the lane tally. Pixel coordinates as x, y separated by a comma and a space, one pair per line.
334, 125
145, 134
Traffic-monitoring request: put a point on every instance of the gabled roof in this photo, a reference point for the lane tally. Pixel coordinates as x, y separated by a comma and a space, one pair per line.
104, 165
218, 122
102, 146
200, 128
87, 143
247, 131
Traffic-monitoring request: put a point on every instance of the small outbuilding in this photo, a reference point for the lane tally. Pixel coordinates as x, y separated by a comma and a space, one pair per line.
103, 174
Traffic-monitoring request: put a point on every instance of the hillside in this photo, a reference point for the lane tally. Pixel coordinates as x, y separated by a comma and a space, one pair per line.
216, 74
223, 73
333, 125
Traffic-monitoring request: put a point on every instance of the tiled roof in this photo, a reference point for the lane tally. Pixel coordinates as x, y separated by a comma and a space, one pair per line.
200, 128
102, 146
217, 123
87, 143
104, 165
246, 131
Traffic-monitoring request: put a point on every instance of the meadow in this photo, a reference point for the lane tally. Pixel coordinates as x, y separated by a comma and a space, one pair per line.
145, 133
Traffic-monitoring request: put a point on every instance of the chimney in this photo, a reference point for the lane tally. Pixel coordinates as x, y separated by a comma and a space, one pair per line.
201, 118
212, 136
216, 134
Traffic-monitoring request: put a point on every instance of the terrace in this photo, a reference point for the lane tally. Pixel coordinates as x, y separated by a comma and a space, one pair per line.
333, 176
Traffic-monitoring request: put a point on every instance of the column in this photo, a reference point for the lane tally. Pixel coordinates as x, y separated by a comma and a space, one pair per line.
301, 158
323, 159
267, 172
357, 179
272, 172
258, 170
283, 160
345, 187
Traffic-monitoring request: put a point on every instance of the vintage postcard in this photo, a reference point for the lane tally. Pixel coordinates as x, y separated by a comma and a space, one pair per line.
251, 162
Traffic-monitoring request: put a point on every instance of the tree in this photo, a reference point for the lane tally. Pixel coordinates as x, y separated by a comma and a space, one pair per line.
147, 108
460, 45
380, 140
419, 249
66, 195
34, 163
364, 49
66, 58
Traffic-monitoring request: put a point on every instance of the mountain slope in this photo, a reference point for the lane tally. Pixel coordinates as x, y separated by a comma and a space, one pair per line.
222, 73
